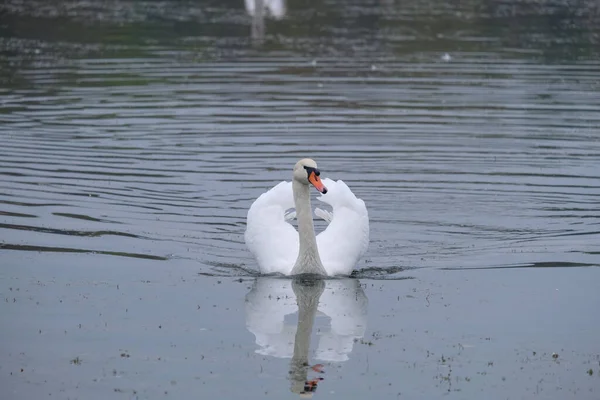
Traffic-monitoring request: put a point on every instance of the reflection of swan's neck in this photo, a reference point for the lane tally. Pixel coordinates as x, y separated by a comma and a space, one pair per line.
308, 261
307, 294
258, 20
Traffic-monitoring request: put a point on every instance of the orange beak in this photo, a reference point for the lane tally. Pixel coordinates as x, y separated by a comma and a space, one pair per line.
317, 183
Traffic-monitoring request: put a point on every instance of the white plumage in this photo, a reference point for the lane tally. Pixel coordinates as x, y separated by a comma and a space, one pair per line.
274, 8
274, 242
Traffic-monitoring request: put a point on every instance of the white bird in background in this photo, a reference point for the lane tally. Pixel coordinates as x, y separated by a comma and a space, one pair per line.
274, 8
279, 248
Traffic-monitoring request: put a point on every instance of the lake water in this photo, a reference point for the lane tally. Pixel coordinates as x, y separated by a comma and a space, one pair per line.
136, 134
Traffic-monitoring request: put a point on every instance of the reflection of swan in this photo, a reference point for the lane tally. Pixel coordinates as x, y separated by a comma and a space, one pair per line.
337, 306
279, 248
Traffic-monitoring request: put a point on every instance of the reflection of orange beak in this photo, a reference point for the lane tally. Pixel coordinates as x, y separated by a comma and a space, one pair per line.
316, 182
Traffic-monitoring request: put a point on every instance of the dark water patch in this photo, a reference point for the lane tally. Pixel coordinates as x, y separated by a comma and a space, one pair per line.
42, 249
229, 270
68, 232
549, 264
83, 217
14, 214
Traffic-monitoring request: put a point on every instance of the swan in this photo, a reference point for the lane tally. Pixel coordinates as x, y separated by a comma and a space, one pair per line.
275, 8
279, 248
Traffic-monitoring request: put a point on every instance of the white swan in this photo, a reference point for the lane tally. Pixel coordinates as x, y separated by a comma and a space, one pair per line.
275, 8
279, 248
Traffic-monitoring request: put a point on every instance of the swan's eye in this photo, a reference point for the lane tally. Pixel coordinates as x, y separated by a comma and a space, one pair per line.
310, 170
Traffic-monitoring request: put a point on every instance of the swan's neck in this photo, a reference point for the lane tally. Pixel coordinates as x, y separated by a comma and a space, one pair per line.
308, 261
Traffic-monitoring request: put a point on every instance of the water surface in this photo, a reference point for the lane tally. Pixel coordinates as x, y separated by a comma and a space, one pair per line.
135, 135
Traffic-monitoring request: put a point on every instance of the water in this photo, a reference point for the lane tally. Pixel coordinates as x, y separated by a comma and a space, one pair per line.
135, 136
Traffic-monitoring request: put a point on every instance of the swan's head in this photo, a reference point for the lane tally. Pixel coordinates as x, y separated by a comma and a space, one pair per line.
306, 171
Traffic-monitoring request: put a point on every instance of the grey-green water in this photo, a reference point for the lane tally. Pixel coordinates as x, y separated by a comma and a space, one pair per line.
136, 134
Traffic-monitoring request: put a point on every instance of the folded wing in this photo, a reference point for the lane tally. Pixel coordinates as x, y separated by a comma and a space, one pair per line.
269, 237
346, 238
